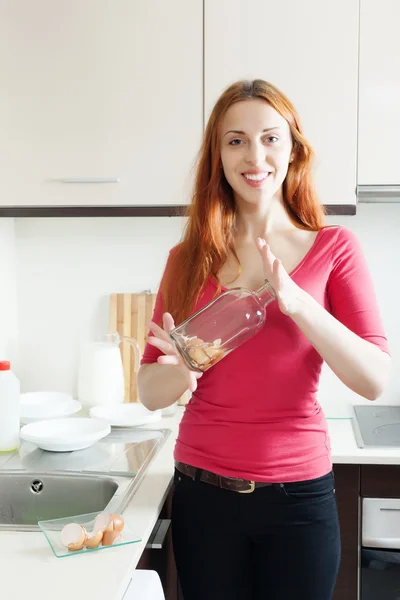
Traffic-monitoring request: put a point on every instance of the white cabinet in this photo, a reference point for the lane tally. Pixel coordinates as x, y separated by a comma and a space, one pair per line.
379, 102
309, 49
144, 585
99, 90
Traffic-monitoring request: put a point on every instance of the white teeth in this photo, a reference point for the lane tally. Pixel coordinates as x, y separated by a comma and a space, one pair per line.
256, 177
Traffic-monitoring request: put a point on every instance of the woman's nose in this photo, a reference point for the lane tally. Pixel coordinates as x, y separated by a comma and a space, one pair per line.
255, 153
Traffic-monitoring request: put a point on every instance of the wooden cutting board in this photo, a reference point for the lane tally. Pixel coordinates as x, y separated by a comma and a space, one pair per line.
129, 314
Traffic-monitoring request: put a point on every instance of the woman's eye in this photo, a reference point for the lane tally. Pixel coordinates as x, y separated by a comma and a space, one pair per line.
235, 142
272, 139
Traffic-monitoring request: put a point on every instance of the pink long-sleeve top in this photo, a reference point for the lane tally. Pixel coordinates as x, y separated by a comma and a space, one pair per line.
255, 414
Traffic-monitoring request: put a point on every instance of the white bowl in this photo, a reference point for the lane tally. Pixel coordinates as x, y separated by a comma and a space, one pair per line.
65, 435
126, 415
37, 406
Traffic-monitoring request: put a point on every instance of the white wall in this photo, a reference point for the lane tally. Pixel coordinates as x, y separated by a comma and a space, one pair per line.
67, 267
8, 290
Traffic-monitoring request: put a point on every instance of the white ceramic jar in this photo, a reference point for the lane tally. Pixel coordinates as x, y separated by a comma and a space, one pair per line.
101, 375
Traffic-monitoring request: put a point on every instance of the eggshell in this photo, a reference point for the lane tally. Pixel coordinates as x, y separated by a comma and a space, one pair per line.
214, 353
94, 540
198, 355
73, 536
118, 522
103, 522
196, 342
110, 537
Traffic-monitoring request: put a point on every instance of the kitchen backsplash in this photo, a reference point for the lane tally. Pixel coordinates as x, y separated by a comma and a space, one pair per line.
376, 227
66, 269
8, 291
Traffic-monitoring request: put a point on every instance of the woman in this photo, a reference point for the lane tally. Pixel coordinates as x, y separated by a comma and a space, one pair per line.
253, 423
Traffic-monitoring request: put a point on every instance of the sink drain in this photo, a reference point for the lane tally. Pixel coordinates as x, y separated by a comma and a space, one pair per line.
37, 486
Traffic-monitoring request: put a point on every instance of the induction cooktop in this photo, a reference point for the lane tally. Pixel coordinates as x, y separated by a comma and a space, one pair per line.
377, 426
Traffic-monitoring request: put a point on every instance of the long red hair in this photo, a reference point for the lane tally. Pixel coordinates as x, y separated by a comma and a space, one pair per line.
208, 237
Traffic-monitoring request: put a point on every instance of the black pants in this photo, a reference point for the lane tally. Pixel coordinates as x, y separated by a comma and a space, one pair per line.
281, 542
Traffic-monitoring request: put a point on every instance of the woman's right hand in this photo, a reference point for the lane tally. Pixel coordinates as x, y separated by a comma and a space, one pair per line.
161, 340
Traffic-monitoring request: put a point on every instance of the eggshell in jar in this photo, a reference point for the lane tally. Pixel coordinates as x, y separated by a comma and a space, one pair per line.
196, 342
214, 353
199, 356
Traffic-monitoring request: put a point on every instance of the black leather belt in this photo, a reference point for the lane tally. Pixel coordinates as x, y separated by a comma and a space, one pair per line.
242, 486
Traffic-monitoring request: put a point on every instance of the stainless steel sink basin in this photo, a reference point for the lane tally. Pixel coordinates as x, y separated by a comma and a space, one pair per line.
36, 485
26, 498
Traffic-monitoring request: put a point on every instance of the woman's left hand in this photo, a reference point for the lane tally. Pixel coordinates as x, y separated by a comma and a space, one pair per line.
288, 293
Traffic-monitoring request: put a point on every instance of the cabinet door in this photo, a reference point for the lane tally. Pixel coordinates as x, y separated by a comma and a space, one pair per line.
309, 50
347, 480
379, 114
162, 560
97, 91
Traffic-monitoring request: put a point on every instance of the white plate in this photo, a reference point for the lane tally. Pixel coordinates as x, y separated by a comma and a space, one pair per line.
37, 406
65, 435
126, 415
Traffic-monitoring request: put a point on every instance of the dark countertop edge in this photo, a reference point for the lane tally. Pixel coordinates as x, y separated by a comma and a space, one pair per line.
127, 211
341, 209
93, 211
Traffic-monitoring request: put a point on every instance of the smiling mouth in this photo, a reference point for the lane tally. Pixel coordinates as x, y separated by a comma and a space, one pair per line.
256, 176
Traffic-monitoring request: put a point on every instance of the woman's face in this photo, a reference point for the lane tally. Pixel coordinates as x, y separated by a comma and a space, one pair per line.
256, 147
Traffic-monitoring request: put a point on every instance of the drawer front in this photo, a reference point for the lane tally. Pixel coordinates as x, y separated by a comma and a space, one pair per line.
380, 481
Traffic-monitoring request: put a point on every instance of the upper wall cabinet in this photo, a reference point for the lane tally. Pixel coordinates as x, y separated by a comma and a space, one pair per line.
98, 91
379, 102
309, 50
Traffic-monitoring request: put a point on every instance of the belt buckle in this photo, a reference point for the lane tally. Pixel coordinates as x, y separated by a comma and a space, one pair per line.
249, 491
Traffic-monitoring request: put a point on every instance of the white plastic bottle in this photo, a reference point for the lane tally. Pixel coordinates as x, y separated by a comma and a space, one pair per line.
9, 409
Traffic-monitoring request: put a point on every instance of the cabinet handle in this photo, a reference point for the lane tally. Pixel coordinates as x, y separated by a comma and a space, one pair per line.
89, 180
158, 535
378, 193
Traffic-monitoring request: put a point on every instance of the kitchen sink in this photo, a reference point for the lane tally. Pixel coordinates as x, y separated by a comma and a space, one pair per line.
36, 485
26, 498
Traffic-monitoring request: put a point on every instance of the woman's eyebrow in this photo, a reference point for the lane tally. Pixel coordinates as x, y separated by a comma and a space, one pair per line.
237, 131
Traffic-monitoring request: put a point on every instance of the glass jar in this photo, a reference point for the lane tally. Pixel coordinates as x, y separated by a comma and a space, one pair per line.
221, 326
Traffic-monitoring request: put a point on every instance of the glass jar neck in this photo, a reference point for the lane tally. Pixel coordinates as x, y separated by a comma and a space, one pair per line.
265, 294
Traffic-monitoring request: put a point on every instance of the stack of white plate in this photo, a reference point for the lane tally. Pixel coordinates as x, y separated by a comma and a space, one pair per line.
65, 435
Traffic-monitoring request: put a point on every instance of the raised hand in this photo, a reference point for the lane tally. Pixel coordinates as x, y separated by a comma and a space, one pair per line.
162, 340
288, 293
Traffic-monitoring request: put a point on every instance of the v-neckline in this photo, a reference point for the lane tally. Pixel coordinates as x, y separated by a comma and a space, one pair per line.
300, 264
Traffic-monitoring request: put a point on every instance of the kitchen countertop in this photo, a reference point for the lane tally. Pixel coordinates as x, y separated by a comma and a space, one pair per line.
345, 450
30, 570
